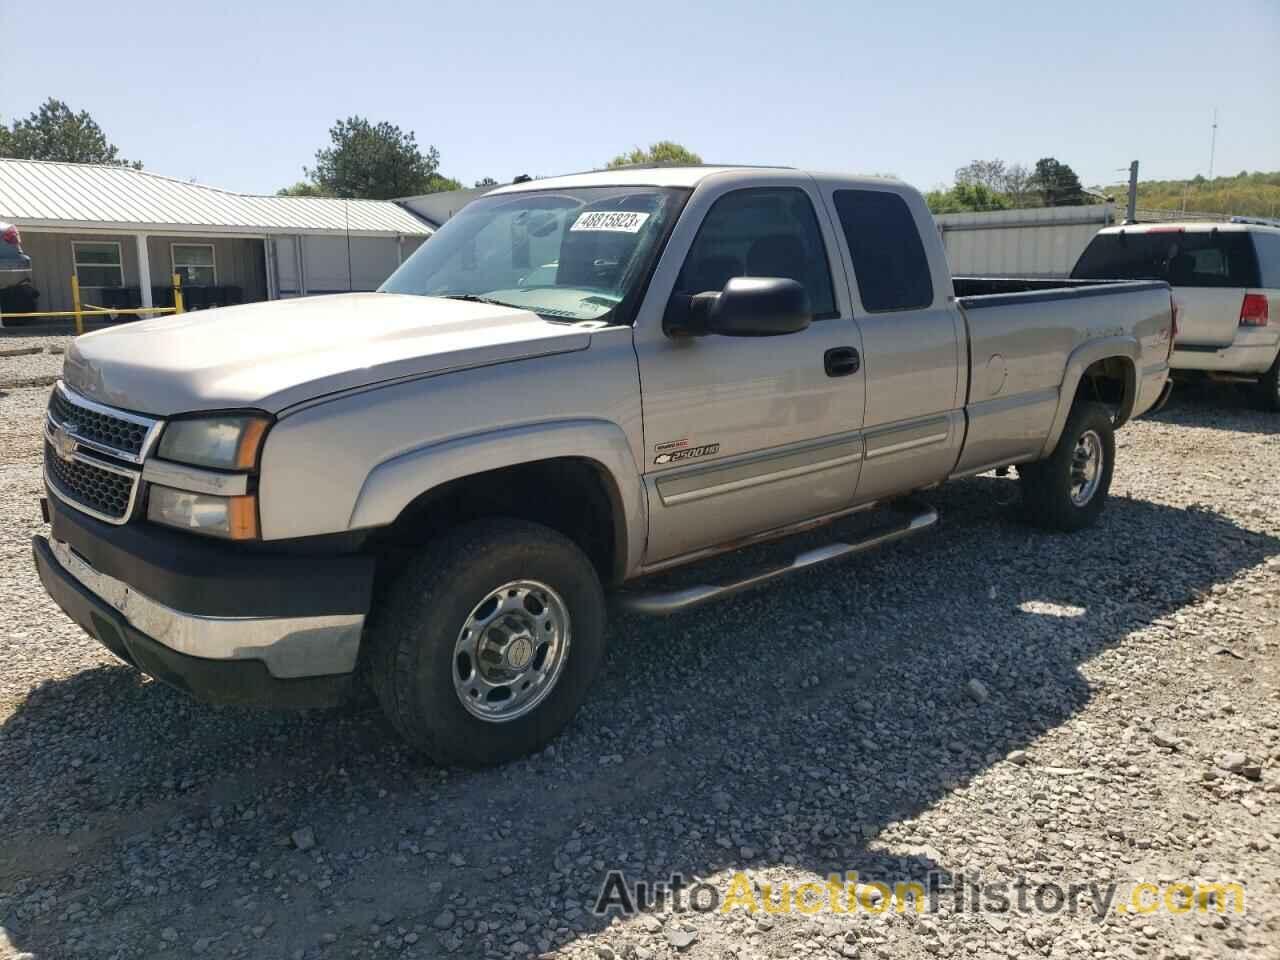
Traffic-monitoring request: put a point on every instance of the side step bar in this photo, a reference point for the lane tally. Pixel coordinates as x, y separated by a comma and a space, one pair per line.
675, 601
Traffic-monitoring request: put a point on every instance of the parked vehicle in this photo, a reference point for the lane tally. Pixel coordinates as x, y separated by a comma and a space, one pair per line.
11, 255
577, 383
1226, 280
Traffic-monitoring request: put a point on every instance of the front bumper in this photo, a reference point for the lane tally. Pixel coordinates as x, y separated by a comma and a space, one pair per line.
224, 625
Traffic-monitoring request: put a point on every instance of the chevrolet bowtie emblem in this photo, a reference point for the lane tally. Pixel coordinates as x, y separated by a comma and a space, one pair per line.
64, 440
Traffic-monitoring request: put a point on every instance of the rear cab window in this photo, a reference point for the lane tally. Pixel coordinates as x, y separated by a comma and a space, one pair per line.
889, 262
1181, 258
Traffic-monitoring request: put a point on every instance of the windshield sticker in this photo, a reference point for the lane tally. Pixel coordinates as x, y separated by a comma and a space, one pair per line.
611, 221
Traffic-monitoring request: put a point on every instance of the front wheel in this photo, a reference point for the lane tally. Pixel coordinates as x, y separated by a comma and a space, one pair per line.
484, 647
1068, 490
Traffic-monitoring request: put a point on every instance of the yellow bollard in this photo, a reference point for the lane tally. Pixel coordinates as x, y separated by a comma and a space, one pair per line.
75, 303
177, 293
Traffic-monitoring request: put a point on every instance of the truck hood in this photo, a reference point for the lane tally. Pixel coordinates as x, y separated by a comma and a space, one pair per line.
273, 355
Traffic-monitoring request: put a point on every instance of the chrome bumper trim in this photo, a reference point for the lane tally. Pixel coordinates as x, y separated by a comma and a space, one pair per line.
290, 646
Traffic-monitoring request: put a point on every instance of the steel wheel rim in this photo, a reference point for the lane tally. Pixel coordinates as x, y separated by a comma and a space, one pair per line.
1086, 467
511, 650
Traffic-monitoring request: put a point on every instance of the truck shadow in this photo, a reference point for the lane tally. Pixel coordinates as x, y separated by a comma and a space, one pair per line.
790, 727
1221, 406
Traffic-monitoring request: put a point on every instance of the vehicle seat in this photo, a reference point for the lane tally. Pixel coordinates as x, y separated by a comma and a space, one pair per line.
778, 255
1182, 268
593, 259
710, 273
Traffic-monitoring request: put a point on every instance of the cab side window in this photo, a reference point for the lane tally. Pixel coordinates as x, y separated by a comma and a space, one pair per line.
889, 261
761, 232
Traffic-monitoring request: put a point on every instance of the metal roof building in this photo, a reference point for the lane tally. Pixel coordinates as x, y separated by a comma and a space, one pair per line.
120, 230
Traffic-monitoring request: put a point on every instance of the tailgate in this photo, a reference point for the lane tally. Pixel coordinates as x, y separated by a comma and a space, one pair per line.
1208, 316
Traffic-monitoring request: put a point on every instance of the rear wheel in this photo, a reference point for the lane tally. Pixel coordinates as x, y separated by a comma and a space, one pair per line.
484, 647
1268, 388
1068, 490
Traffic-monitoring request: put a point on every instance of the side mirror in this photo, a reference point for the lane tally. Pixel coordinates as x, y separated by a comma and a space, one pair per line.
746, 307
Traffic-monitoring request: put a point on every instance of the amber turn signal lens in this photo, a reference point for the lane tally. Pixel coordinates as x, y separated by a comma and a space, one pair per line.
242, 518
250, 442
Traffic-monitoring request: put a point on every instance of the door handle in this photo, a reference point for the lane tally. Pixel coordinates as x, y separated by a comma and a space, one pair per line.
841, 361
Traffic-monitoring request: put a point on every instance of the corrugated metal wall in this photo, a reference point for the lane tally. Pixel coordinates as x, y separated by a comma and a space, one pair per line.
1038, 242
238, 259
237, 262
52, 264
317, 265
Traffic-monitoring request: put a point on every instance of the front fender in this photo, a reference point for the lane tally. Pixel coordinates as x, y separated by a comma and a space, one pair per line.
1080, 359
393, 484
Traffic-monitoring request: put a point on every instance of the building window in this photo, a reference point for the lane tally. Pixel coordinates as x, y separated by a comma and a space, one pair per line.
97, 264
194, 263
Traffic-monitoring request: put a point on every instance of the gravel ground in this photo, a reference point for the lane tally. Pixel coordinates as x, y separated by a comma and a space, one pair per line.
985, 701
30, 359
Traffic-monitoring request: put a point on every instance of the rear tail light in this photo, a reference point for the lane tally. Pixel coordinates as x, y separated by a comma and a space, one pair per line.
1173, 316
1253, 312
10, 235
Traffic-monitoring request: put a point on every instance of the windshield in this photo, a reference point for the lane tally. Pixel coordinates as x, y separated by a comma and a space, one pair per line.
567, 255
1182, 258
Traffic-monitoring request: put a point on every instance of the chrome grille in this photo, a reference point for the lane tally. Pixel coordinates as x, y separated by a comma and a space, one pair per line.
116, 432
93, 454
106, 494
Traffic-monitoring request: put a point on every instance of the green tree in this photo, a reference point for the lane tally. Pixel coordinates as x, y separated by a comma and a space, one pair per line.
438, 183
54, 132
1255, 194
664, 151
1057, 184
375, 162
303, 188
1016, 185
986, 173
966, 198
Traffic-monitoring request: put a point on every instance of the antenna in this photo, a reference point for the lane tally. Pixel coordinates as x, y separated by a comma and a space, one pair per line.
1213, 141
346, 215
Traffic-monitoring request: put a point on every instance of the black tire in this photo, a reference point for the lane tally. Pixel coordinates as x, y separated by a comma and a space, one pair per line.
417, 622
1047, 486
1267, 392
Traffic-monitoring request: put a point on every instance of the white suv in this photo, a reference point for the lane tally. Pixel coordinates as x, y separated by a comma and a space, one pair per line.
1226, 278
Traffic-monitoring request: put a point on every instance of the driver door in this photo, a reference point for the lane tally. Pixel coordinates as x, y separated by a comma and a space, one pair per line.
746, 434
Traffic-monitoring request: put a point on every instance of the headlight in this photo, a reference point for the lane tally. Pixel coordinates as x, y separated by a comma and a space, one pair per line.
235, 518
229, 442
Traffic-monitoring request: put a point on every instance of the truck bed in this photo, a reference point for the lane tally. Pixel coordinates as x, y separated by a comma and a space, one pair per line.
1013, 324
981, 289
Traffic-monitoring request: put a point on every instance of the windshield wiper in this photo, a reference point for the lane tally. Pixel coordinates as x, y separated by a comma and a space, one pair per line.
475, 298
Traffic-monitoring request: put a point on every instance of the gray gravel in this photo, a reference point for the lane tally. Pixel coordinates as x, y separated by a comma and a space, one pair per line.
985, 699
30, 359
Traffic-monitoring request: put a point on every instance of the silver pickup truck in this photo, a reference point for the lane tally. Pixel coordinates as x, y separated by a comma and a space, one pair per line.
575, 384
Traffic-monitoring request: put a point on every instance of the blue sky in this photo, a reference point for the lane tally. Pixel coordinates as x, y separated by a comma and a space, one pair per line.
240, 95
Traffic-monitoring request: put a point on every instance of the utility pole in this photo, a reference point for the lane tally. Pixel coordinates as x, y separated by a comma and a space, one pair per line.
1213, 141
1131, 210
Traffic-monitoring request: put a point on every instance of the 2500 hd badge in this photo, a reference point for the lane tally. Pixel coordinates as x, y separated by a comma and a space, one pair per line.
675, 456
